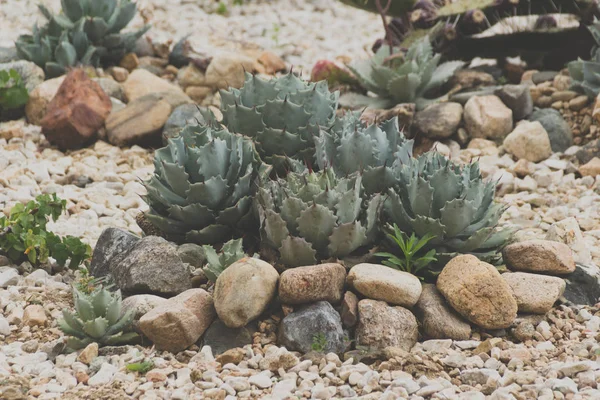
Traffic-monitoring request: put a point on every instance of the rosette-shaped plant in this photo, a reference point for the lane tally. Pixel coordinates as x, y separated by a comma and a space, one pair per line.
97, 319
313, 216
374, 150
586, 74
400, 78
434, 196
202, 185
281, 115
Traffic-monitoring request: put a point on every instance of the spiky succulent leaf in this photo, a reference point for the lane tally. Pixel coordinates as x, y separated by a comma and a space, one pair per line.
216, 263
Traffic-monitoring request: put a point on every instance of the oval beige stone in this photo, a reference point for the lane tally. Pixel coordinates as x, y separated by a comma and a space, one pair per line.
476, 290
535, 293
312, 283
379, 282
539, 256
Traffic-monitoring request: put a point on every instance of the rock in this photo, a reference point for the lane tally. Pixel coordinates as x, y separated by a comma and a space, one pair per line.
471, 79
578, 102
34, 315
529, 141
40, 97
381, 326
231, 356
487, 117
349, 311
31, 74
191, 76
379, 282
299, 329
534, 293
142, 304
464, 97
88, 354
539, 256
198, 93
583, 285
179, 323
567, 231
221, 338
75, 114
8, 277
141, 83
477, 291
438, 319
112, 245
439, 121
404, 113
130, 61
592, 168
517, 98
192, 254
182, 116
276, 358
111, 87
8, 54
4, 326
120, 74
142, 121
543, 76
312, 283
559, 132
244, 290
152, 267
271, 62
104, 376
227, 70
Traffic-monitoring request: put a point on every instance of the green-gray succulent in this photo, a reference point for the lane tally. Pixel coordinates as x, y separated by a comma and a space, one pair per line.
434, 196
313, 216
586, 74
97, 319
216, 263
202, 185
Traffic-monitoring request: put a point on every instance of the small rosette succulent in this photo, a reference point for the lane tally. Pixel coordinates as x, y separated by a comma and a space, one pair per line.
202, 185
281, 115
216, 263
97, 319
586, 74
434, 196
313, 216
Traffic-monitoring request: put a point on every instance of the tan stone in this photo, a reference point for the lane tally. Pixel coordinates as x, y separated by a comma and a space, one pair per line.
130, 61
142, 82
539, 256
381, 326
120, 74
34, 315
379, 282
535, 293
438, 319
591, 168
198, 93
529, 141
477, 291
596, 109
227, 70
312, 283
349, 310
234, 356
88, 354
487, 117
40, 97
191, 75
271, 62
487, 345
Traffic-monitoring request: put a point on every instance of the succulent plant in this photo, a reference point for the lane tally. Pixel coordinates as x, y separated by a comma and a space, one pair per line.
231, 252
97, 319
202, 185
400, 78
312, 216
85, 32
586, 74
437, 197
281, 115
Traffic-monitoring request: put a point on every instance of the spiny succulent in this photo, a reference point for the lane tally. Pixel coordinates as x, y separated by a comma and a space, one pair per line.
281, 115
586, 74
400, 78
434, 196
202, 185
97, 319
216, 263
85, 32
312, 216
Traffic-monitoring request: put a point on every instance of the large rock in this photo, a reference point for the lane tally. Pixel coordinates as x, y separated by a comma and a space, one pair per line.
379, 282
152, 266
583, 285
75, 114
244, 290
179, 323
39, 98
559, 131
312, 283
567, 231
487, 117
438, 319
221, 338
112, 246
182, 116
517, 98
141, 304
141, 83
529, 141
142, 120
381, 326
227, 70
477, 291
539, 256
534, 293
299, 329
31, 74
439, 121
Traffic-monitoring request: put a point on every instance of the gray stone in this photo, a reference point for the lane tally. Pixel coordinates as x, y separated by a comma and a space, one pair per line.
111, 87
8, 277
543, 76
221, 338
8, 54
32, 74
463, 97
534, 293
583, 285
559, 132
588, 152
439, 121
182, 116
438, 319
112, 246
152, 266
381, 326
517, 98
192, 254
297, 330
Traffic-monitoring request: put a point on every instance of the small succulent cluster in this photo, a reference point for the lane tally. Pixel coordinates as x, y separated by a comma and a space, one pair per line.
586, 74
216, 263
98, 318
401, 78
85, 32
13, 93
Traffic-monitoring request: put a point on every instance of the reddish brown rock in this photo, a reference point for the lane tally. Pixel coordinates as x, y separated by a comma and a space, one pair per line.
75, 114
312, 283
349, 310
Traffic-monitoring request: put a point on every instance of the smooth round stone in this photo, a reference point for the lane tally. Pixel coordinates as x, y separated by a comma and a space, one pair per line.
379, 282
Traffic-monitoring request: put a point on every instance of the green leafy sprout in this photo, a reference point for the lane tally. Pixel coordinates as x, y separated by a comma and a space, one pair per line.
23, 234
410, 247
319, 343
141, 367
13, 93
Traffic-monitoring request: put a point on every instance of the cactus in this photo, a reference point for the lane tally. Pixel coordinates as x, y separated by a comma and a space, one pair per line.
586, 74
97, 319
231, 252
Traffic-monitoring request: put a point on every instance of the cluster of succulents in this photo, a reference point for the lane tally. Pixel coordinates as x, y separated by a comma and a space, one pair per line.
216, 263
13, 93
85, 32
586, 74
